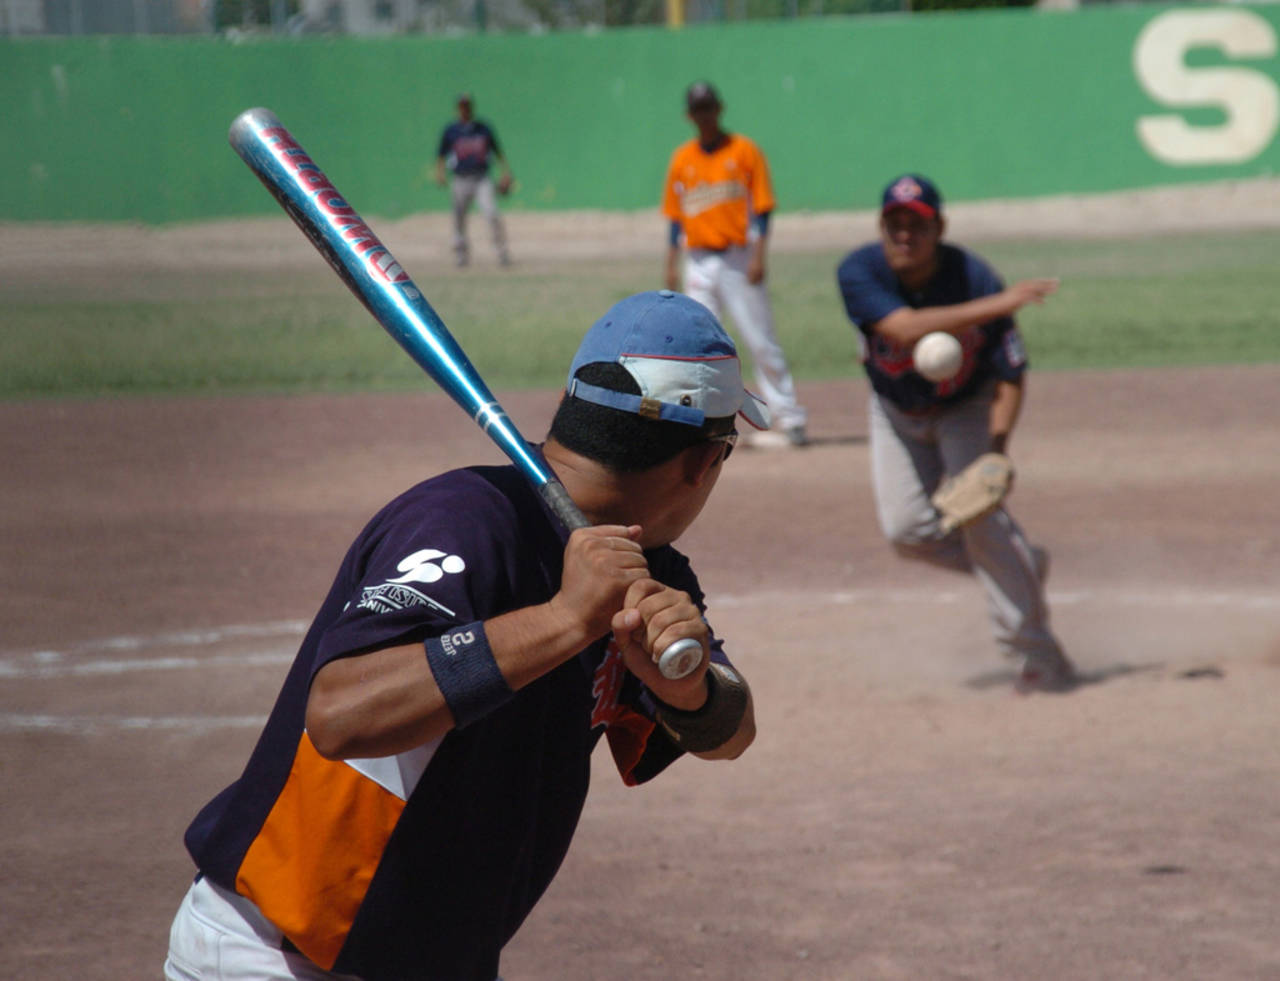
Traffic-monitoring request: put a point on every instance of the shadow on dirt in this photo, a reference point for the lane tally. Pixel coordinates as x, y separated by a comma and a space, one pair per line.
1007, 677
837, 440
814, 441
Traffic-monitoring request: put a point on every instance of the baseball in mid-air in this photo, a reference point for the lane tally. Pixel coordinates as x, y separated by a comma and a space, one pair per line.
938, 356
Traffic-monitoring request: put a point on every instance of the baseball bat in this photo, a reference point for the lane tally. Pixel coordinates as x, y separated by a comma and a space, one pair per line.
382, 285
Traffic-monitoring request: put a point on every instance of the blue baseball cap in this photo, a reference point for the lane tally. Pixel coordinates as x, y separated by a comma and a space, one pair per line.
912, 191
684, 362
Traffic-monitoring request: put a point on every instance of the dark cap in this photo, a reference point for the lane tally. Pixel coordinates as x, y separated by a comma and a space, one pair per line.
701, 95
464, 97
912, 191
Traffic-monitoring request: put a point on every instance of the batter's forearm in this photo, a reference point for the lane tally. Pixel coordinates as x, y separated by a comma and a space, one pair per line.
389, 701
530, 642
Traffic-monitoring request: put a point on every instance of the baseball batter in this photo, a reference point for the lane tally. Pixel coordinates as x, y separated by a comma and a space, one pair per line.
896, 290
422, 772
718, 198
467, 148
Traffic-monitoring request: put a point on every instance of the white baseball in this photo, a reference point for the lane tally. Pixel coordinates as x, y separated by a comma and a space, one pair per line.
938, 356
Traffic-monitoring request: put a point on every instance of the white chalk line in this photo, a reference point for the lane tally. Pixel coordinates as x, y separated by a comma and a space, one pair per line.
184, 638
85, 659
87, 725
43, 666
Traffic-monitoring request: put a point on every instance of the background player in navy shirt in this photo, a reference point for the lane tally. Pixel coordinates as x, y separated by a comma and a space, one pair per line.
895, 291
422, 772
467, 147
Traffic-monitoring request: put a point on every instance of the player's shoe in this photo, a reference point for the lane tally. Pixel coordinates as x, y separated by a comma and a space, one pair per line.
773, 439
798, 436
1046, 673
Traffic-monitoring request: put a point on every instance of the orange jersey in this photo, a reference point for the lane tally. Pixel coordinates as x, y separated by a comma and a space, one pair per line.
713, 195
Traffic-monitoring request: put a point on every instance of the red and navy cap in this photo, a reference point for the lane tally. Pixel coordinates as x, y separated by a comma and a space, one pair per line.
912, 191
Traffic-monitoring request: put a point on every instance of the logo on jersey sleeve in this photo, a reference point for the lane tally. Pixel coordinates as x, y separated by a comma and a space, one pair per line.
426, 565
1014, 351
421, 566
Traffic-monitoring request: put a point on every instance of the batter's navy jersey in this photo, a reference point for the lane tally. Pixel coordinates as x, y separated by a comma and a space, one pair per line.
467, 147
871, 291
424, 864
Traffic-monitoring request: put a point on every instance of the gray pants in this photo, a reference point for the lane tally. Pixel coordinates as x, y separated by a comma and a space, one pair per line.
910, 456
480, 190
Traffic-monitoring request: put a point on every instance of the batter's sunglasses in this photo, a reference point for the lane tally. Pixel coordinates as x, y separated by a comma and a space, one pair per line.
729, 439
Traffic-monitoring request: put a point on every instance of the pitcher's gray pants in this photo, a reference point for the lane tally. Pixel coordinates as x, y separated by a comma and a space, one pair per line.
910, 456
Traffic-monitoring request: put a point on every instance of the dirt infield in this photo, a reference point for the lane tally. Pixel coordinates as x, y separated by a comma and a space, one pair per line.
902, 814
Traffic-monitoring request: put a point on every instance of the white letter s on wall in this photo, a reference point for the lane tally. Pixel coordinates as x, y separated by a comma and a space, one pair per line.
1249, 98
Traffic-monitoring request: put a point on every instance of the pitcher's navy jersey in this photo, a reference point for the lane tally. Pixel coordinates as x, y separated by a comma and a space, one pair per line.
467, 146
872, 291
424, 864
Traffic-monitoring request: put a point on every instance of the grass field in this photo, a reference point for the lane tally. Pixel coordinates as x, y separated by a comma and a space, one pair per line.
1175, 300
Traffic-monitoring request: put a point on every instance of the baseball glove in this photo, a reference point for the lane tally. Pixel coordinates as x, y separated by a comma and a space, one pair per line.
504, 184
975, 491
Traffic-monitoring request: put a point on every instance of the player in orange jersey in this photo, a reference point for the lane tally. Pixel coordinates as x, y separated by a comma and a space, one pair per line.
719, 198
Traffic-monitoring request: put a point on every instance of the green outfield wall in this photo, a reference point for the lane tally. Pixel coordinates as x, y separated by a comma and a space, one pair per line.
1014, 103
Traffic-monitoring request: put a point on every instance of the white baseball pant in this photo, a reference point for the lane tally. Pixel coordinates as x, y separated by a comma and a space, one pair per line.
910, 456
221, 936
479, 189
719, 279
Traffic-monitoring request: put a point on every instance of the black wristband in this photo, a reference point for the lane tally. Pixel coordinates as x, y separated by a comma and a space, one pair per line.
715, 723
466, 673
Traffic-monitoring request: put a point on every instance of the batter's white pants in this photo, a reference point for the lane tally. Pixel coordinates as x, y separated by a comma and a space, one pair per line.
910, 456
482, 192
221, 936
719, 280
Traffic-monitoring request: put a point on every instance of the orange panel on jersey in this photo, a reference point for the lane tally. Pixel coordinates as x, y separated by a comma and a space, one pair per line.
713, 195
312, 862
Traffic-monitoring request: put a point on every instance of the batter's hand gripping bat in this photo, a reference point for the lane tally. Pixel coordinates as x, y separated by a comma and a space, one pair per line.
382, 285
